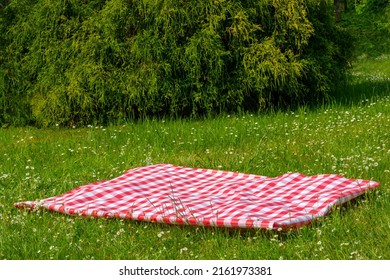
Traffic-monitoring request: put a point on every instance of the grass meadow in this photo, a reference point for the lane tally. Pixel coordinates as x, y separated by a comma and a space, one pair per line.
349, 136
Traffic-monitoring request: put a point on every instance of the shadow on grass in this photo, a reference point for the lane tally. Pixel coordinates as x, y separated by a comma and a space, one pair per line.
357, 90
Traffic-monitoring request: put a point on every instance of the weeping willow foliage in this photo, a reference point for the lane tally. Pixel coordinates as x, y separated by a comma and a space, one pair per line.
78, 62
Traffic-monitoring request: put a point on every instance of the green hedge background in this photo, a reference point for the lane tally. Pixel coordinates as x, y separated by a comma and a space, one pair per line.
72, 62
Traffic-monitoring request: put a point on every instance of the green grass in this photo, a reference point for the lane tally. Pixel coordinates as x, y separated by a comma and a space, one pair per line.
348, 138
368, 77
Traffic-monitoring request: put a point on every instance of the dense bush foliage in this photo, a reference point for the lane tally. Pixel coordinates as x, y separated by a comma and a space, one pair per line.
368, 21
77, 62
364, 6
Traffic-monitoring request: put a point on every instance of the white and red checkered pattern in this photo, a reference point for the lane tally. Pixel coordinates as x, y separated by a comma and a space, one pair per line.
180, 195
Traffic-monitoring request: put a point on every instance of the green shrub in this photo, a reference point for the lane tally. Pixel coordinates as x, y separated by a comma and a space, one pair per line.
78, 62
369, 23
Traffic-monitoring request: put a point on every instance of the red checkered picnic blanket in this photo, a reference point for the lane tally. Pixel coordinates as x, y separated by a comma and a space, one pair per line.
181, 195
